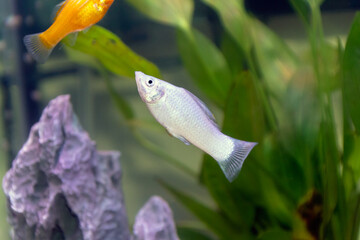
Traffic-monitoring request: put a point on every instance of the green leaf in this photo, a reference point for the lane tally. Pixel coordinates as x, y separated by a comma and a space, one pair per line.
351, 71
112, 52
217, 223
186, 233
270, 60
230, 198
121, 104
277, 234
351, 156
298, 114
234, 19
329, 155
303, 8
353, 226
285, 170
234, 55
206, 64
276, 63
269, 57
173, 12
244, 114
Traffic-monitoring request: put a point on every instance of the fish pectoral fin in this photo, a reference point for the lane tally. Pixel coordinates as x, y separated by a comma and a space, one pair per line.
72, 38
184, 140
86, 29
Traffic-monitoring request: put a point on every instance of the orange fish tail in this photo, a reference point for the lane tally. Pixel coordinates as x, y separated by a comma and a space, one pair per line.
37, 47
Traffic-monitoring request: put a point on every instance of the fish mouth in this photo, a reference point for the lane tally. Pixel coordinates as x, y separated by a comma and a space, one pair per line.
140, 87
138, 76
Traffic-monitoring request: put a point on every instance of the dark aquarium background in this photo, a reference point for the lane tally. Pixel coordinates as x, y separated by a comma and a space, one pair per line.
281, 73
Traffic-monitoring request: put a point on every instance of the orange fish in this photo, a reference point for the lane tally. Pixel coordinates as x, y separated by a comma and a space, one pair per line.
72, 16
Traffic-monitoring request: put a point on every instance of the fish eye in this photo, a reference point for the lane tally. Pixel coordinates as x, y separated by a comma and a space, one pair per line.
150, 82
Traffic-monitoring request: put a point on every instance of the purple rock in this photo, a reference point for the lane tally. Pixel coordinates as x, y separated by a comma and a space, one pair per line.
155, 221
61, 187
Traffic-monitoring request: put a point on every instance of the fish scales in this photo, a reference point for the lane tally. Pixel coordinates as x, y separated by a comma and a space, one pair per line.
181, 115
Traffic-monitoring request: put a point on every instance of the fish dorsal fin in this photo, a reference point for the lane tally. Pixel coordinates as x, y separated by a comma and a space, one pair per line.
204, 108
57, 9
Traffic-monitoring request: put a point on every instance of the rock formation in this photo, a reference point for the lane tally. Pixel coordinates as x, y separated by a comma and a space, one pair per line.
61, 187
155, 221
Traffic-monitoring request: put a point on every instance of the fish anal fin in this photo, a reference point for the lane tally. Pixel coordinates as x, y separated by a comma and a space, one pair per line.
203, 106
233, 164
184, 140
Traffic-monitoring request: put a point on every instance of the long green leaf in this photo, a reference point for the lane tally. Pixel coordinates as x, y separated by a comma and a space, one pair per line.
121, 104
187, 233
330, 156
298, 114
206, 64
303, 9
353, 224
233, 54
271, 62
235, 20
244, 113
351, 71
233, 201
112, 52
173, 12
218, 224
268, 55
277, 234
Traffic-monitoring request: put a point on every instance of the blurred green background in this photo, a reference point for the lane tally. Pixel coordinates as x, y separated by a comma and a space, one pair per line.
281, 73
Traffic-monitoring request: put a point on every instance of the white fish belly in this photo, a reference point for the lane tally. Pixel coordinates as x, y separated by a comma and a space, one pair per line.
183, 117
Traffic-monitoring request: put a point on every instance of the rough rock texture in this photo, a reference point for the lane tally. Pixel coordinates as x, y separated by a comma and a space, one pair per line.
155, 221
60, 187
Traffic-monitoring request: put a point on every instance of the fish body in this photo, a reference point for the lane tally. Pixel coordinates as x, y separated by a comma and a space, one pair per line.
72, 16
187, 118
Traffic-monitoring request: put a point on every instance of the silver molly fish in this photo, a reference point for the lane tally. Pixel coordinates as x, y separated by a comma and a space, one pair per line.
187, 118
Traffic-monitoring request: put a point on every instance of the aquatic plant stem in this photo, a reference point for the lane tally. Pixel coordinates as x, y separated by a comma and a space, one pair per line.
329, 154
7, 118
20, 76
354, 222
156, 150
259, 86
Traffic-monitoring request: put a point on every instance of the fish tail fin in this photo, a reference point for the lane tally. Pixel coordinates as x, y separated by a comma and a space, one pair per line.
232, 165
37, 48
